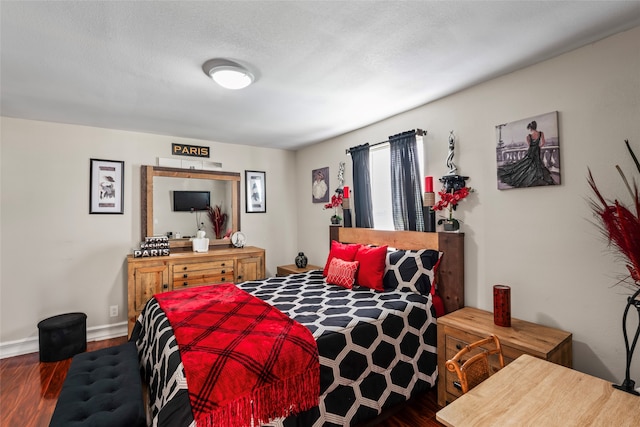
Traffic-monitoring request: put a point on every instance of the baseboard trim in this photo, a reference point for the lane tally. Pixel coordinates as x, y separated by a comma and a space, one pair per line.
30, 345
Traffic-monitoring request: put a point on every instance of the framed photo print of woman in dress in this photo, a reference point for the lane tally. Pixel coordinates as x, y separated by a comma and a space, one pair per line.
528, 152
320, 185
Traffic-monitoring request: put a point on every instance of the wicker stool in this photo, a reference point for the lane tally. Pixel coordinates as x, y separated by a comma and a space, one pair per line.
62, 336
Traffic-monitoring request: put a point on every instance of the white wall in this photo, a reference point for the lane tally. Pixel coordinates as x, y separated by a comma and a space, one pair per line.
538, 240
56, 258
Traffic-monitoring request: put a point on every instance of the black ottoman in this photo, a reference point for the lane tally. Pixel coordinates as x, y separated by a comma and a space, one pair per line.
62, 336
102, 388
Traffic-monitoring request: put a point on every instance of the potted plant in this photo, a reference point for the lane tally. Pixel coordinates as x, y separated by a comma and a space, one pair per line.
335, 203
620, 225
449, 201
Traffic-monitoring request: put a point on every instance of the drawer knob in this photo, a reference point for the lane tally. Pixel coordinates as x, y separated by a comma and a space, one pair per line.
185, 284
223, 279
165, 286
184, 268
239, 277
223, 264
185, 275
458, 346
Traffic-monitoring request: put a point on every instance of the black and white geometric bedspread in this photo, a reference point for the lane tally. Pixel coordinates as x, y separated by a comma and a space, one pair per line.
376, 349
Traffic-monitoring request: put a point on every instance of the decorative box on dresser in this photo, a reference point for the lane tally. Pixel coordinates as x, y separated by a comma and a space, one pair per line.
151, 275
464, 326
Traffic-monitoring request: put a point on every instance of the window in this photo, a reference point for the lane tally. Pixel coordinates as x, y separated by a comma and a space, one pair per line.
381, 183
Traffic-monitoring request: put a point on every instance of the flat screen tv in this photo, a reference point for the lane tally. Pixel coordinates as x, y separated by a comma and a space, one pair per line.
188, 201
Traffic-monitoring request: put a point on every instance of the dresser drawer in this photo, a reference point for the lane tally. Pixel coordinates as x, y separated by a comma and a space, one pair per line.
202, 273
458, 339
199, 279
200, 266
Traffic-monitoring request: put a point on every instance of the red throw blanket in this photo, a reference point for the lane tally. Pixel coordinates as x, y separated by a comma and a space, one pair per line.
245, 361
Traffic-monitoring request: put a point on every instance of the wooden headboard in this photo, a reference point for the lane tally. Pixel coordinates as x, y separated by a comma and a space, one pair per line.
450, 276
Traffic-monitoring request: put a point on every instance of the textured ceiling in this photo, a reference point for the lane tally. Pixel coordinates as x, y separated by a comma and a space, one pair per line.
323, 68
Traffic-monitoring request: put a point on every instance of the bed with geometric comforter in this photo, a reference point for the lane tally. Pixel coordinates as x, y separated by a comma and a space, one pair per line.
376, 349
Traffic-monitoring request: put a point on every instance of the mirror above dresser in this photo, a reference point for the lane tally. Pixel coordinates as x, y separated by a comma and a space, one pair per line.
160, 217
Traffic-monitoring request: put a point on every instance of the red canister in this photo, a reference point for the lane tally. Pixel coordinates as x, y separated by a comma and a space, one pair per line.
502, 305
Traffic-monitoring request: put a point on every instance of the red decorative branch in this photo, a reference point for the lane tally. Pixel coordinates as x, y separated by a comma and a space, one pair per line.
218, 220
619, 224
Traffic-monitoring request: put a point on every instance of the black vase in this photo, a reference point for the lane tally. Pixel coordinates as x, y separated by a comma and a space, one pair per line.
301, 260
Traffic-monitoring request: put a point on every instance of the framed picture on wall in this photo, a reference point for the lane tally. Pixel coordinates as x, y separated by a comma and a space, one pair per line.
106, 186
528, 152
256, 191
320, 185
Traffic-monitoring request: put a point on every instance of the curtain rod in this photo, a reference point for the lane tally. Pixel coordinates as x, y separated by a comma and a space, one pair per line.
418, 132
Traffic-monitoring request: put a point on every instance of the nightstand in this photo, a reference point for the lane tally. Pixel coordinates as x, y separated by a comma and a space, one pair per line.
464, 326
285, 270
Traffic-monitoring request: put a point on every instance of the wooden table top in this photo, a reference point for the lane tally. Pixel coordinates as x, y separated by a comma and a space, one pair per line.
533, 392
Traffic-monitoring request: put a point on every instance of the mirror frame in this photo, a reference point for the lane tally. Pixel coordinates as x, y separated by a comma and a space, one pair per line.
147, 173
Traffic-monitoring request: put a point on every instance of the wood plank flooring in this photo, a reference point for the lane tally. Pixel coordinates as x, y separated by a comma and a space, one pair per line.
29, 391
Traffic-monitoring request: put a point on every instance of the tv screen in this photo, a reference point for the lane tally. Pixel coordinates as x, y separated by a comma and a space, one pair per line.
187, 201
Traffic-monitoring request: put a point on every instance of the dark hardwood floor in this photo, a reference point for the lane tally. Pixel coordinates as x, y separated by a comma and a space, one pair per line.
29, 391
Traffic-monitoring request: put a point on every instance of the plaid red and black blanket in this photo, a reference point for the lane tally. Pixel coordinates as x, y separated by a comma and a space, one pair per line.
245, 361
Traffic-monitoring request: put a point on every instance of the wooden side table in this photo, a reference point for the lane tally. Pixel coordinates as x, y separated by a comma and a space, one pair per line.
285, 270
464, 326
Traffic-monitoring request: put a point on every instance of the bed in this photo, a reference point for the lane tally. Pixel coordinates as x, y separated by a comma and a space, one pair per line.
375, 349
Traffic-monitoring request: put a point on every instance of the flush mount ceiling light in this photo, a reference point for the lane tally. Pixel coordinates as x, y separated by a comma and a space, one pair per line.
228, 74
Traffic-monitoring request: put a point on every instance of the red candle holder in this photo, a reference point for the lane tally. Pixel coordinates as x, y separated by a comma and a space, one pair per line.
502, 305
428, 184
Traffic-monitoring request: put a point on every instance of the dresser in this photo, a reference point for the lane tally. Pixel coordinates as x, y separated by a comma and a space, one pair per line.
464, 326
151, 275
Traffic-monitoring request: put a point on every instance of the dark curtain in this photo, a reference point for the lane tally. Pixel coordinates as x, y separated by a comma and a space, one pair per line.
362, 186
406, 193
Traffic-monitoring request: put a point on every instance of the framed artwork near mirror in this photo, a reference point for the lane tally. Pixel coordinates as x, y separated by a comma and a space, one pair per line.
255, 191
106, 186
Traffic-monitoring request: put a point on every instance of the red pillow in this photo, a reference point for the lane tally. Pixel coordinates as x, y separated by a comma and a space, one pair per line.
372, 264
342, 273
344, 251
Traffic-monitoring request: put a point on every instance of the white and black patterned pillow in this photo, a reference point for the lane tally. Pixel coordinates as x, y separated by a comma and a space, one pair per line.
411, 271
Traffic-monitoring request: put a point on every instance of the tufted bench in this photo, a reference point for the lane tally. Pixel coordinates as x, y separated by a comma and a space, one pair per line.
102, 388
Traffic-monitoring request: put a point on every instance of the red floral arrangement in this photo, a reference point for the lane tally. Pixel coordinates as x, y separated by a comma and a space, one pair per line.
618, 223
218, 220
450, 201
335, 203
